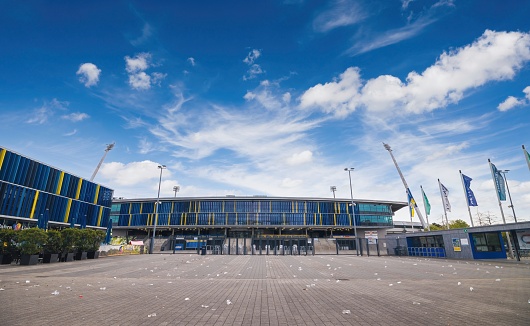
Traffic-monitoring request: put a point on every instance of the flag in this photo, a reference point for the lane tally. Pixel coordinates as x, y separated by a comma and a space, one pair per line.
527, 156
412, 203
445, 197
471, 200
426, 203
499, 182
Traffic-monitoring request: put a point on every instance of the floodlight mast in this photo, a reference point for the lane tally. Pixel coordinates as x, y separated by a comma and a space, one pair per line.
109, 147
387, 147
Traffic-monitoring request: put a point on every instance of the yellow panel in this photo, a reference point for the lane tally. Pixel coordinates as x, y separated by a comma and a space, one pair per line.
78, 188
185, 217
67, 210
2, 156
171, 213
97, 195
34, 199
60, 183
99, 215
142, 207
130, 217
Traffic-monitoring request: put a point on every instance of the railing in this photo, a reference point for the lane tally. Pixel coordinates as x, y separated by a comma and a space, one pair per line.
437, 252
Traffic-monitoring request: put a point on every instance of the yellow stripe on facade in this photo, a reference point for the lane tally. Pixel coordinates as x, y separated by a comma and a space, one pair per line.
99, 215
34, 199
97, 195
169, 216
130, 217
2, 156
67, 213
78, 188
60, 184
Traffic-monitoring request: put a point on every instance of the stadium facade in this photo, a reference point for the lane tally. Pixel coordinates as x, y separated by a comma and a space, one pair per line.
184, 220
30, 189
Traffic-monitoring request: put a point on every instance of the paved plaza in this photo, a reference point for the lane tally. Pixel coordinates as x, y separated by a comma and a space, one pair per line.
186, 289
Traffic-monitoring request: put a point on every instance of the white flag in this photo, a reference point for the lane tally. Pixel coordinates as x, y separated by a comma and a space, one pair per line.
445, 198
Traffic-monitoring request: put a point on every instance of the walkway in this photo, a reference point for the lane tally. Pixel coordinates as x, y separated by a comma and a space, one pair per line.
265, 290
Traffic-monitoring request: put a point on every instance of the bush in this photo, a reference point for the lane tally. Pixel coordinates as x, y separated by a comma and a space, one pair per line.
31, 241
8, 238
54, 243
70, 239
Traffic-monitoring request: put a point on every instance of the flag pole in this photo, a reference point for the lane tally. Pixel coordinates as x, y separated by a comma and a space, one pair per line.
425, 206
443, 204
500, 206
387, 147
467, 199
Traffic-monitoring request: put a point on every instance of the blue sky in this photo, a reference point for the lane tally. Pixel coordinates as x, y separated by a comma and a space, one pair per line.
274, 97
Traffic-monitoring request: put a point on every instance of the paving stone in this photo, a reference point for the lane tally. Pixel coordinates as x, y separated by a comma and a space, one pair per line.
265, 290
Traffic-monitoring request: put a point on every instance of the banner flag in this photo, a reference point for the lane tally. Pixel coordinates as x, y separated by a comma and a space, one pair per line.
445, 194
499, 183
527, 156
471, 200
412, 204
426, 201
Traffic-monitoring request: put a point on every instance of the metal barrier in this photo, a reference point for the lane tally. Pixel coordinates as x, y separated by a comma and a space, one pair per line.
437, 252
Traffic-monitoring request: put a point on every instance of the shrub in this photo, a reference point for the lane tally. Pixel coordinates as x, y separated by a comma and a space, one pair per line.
8, 238
70, 239
54, 243
31, 241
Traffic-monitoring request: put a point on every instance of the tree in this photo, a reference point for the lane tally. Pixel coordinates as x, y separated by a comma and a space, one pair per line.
436, 226
458, 224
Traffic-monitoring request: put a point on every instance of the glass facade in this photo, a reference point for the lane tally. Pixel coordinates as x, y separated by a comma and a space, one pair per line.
29, 188
243, 211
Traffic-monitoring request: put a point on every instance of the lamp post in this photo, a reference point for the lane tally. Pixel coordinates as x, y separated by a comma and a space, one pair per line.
509, 195
152, 243
353, 211
333, 189
176, 189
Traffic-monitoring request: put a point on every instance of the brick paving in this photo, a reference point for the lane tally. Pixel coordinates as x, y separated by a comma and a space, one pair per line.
223, 290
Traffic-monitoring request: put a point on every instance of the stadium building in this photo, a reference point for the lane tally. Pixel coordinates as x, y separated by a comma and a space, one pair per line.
253, 223
30, 190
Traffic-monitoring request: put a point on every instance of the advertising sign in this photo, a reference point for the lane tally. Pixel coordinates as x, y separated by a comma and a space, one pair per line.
456, 244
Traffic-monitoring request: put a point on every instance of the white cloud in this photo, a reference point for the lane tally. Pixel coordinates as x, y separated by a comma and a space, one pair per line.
138, 78
191, 61
71, 133
495, 56
76, 116
252, 56
47, 110
390, 37
290, 183
157, 77
147, 31
131, 173
339, 97
511, 101
300, 158
89, 74
139, 63
341, 13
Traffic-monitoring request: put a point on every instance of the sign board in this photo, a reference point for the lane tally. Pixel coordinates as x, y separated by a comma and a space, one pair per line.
371, 236
456, 244
524, 239
464, 242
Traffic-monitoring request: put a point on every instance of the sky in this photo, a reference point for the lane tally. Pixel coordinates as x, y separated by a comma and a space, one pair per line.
274, 98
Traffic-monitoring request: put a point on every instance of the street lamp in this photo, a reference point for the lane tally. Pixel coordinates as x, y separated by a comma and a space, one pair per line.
152, 243
176, 189
353, 211
333, 189
509, 195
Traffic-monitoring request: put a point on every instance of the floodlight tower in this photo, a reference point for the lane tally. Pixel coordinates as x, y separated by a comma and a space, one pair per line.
109, 147
409, 194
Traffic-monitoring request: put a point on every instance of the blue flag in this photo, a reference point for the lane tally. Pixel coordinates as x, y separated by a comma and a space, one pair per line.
499, 183
471, 200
